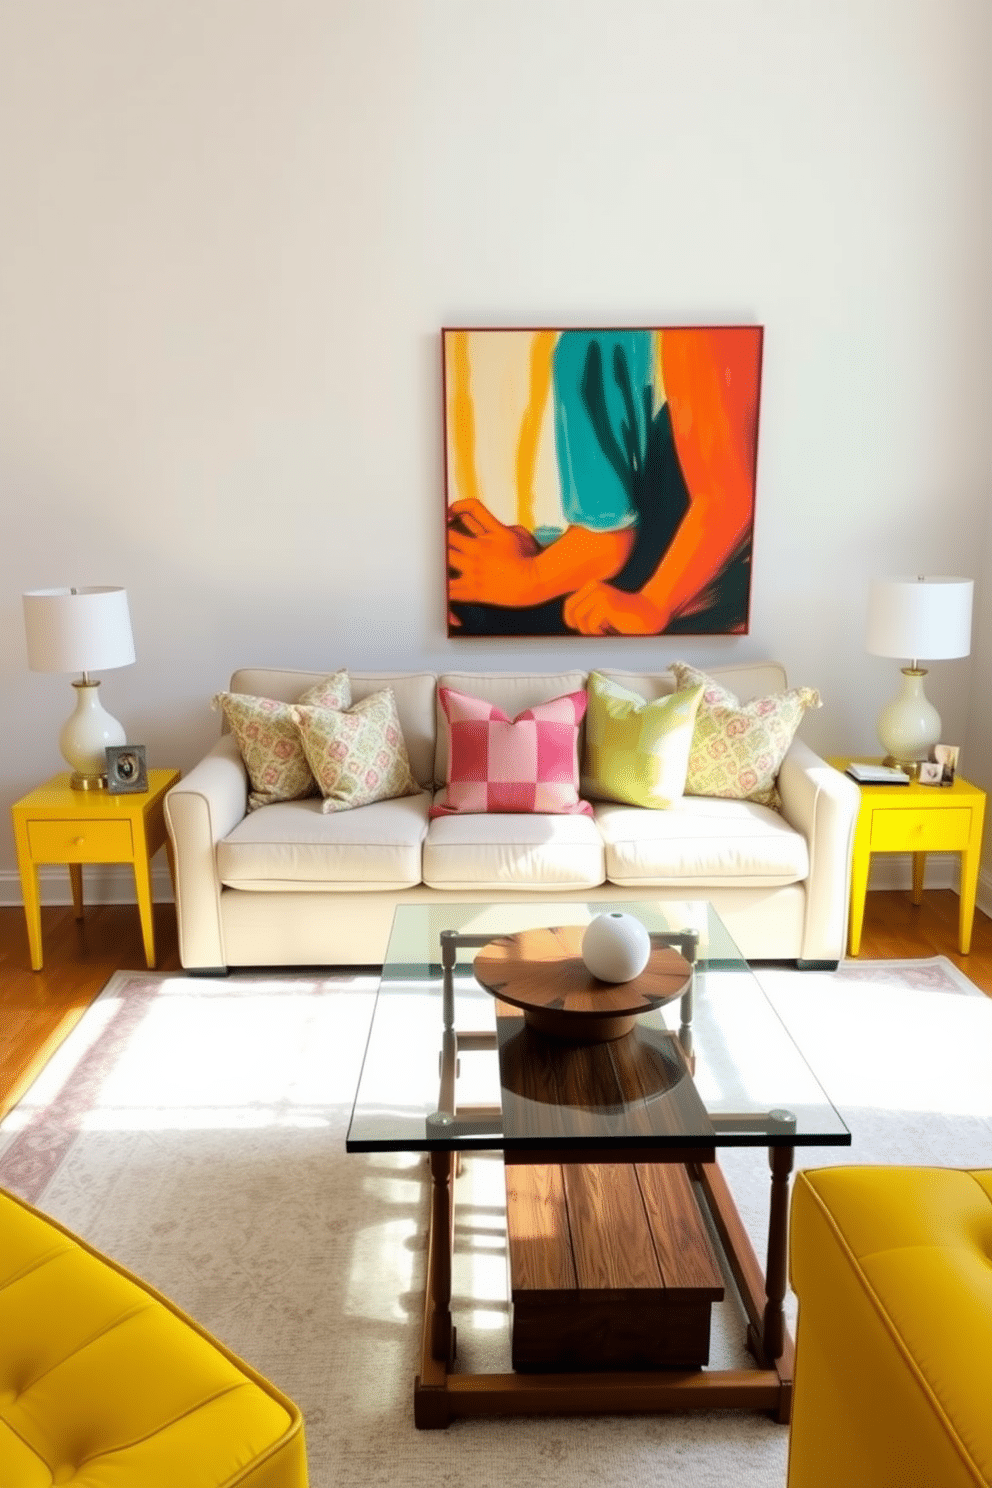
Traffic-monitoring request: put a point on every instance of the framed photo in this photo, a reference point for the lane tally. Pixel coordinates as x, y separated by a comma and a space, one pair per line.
600, 481
127, 772
931, 773
946, 756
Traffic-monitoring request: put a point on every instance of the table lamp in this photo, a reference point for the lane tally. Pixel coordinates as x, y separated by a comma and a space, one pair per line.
923, 617
81, 630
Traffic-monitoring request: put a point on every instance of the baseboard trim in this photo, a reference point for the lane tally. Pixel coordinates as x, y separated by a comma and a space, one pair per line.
103, 883
943, 871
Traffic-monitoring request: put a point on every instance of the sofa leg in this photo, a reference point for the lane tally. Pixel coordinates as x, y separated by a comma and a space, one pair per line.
207, 971
816, 965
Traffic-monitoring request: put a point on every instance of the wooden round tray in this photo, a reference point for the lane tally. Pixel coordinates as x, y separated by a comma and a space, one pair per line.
543, 973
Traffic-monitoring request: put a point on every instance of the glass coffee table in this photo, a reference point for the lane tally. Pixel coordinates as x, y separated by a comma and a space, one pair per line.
616, 1206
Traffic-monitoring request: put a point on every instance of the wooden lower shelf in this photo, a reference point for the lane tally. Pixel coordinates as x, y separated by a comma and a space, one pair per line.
611, 1268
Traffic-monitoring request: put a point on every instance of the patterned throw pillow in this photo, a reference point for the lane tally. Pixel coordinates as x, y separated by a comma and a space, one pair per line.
269, 742
529, 763
638, 751
358, 755
738, 748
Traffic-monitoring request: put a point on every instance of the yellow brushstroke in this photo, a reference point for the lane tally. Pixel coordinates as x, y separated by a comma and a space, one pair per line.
659, 372
541, 352
462, 416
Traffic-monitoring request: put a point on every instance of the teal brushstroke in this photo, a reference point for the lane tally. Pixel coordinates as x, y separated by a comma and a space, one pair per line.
602, 383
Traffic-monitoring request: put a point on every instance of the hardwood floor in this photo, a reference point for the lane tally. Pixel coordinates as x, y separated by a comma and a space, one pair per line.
38, 1008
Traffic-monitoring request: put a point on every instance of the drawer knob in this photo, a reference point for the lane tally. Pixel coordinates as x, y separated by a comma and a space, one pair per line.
78, 841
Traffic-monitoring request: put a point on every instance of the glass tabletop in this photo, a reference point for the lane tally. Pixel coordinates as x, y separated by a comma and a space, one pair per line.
448, 1066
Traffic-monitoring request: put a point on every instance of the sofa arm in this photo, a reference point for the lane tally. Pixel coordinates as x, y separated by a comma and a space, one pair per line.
199, 811
823, 804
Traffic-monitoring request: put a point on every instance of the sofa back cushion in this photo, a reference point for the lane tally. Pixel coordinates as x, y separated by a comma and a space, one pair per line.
512, 692
419, 710
414, 693
749, 680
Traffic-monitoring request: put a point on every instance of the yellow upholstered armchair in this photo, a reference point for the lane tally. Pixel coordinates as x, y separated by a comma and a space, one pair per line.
893, 1385
106, 1382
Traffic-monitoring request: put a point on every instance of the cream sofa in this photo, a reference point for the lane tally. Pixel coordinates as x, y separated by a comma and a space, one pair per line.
288, 885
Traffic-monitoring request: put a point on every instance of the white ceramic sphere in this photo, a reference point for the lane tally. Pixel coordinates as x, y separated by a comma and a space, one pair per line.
616, 947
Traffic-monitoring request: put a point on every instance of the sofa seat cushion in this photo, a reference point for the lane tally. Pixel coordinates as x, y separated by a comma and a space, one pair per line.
295, 845
701, 840
507, 850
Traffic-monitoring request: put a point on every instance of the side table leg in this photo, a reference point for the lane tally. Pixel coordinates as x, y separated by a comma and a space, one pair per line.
969, 890
919, 871
143, 888
32, 912
76, 884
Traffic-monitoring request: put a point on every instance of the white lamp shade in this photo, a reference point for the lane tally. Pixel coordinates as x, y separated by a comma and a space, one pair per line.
926, 619
78, 630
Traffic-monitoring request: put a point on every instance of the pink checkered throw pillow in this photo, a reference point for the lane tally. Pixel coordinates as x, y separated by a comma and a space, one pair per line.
529, 763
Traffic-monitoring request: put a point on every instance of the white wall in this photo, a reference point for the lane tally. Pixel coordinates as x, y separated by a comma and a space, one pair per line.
231, 231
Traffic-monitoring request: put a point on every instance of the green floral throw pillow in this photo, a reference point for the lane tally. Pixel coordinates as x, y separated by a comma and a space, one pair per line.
638, 751
269, 742
738, 748
358, 754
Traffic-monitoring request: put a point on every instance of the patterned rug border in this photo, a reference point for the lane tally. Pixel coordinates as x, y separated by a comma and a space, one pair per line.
924, 973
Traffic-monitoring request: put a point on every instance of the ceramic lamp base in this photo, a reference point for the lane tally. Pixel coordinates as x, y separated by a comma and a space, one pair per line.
909, 726
85, 736
87, 782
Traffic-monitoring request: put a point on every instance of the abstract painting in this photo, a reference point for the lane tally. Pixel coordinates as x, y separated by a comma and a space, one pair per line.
600, 481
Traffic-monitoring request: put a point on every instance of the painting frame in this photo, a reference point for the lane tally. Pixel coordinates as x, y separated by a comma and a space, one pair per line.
600, 480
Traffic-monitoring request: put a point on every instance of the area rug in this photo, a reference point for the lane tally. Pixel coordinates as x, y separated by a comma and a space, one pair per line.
195, 1130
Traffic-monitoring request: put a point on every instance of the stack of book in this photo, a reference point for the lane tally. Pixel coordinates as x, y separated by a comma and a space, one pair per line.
872, 774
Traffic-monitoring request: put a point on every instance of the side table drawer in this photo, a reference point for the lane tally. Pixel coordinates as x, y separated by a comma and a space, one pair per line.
78, 842
946, 830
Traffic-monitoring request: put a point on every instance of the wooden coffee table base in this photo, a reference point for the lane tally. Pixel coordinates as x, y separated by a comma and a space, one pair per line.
441, 1395
611, 1267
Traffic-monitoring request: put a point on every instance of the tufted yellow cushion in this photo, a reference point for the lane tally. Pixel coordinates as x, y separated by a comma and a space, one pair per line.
105, 1382
893, 1270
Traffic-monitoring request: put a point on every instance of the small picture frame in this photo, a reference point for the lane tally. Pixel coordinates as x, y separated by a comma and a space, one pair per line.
946, 756
931, 773
127, 771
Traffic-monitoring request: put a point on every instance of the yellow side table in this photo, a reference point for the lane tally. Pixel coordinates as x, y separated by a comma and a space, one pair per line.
917, 819
56, 824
